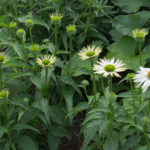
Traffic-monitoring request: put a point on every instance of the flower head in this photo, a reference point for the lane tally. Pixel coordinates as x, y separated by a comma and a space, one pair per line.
130, 75
143, 78
3, 57
109, 67
29, 22
139, 33
89, 52
46, 60
4, 94
71, 29
20, 32
56, 17
12, 24
34, 47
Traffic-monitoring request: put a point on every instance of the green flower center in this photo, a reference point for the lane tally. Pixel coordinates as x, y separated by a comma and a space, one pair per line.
2, 59
140, 35
148, 74
46, 62
109, 68
3, 94
90, 53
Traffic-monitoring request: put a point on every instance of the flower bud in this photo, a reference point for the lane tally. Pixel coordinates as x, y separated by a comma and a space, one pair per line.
4, 94
20, 32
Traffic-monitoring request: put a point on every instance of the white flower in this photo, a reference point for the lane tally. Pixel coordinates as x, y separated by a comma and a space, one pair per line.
89, 52
143, 78
46, 60
109, 67
139, 33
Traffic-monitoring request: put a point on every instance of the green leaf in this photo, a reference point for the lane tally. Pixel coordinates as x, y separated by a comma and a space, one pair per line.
126, 23
56, 114
53, 141
124, 49
26, 143
23, 126
80, 107
131, 5
16, 75
3, 129
89, 135
111, 144
45, 108
59, 132
18, 49
68, 94
68, 80
36, 81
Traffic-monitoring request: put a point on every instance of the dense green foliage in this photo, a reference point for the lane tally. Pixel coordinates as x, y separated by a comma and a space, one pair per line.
62, 104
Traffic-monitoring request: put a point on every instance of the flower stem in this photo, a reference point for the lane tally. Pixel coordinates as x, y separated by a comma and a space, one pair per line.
56, 38
5, 101
102, 84
46, 71
93, 80
140, 51
90, 14
133, 99
23, 49
110, 107
30, 32
11, 37
70, 44
15, 9
1, 80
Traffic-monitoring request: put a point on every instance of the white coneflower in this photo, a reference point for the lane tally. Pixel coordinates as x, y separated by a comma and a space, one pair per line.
139, 33
56, 17
46, 60
3, 57
143, 78
109, 67
4, 94
89, 52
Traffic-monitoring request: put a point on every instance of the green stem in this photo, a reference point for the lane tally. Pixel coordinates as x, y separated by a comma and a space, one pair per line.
110, 107
11, 41
133, 99
5, 9
24, 53
14, 33
30, 32
86, 92
7, 120
1, 80
46, 71
93, 80
36, 66
140, 51
15, 9
148, 111
55, 39
146, 138
90, 14
70, 45
102, 84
